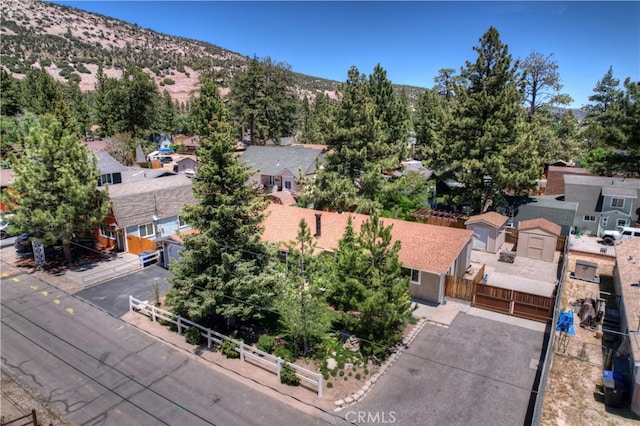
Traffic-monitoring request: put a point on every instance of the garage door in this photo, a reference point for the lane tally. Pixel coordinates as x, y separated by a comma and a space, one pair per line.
536, 247
480, 238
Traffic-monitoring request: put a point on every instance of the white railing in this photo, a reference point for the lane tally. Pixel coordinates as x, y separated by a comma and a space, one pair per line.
245, 351
110, 273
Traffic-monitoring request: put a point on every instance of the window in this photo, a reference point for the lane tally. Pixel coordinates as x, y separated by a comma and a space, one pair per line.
104, 179
588, 218
269, 181
105, 232
413, 274
621, 222
181, 223
146, 230
287, 184
617, 202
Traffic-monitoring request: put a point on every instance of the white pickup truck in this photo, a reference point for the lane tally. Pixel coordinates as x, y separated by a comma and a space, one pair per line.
621, 233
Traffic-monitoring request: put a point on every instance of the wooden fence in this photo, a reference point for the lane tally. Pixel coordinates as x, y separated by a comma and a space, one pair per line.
27, 419
137, 245
513, 302
461, 288
440, 218
246, 352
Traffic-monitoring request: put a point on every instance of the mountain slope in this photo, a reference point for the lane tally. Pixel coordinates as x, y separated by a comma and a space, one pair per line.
70, 44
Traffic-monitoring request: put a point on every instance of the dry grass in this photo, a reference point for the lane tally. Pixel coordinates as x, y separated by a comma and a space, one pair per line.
574, 392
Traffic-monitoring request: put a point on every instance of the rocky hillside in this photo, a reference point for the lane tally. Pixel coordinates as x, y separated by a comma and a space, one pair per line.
70, 44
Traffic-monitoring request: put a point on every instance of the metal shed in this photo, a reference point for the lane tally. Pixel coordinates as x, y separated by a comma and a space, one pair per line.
585, 270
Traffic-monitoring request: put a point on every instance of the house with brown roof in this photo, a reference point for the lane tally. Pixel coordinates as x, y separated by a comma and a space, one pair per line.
537, 239
489, 231
627, 285
428, 253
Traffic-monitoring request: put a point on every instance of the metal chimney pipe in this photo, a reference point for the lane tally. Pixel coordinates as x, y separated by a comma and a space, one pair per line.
318, 225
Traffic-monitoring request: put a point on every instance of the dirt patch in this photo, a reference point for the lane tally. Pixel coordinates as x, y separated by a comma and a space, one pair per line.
574, 394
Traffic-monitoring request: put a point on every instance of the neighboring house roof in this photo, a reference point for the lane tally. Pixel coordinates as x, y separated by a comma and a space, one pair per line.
273, 160
541, 223
549, 207
609, 184
490, 218
555, 178
6, 177
107, 164
425, 247
628, 270
281, 197
97, 145
136, 203
414, 166
136, 174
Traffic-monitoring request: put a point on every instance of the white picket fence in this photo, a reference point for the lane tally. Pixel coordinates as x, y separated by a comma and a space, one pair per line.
245, 351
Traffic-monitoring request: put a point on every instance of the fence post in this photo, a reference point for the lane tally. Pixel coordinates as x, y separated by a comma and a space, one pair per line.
209, 338
153, 313
130, 300
279, 366
320, 378
179, 326
242, 351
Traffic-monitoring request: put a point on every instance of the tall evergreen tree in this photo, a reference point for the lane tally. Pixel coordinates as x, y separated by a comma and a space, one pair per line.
11, 97
109, 105
55, 194
41, 94
366, 138
302, 305
489, 147
375, 299
263, 101
225, 268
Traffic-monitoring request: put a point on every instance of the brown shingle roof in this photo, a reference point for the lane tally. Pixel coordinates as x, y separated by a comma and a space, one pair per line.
541, 223
555, 178
491, 218
424, 247
628, 270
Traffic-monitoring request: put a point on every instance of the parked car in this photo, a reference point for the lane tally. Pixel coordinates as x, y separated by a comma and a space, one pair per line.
621, 233
24, 248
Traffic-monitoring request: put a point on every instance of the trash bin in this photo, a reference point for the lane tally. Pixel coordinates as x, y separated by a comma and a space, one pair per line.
147, 258
613, 388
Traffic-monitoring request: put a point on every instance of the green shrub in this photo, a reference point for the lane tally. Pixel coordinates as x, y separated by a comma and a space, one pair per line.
193, 336
228, 349
334, 372
168, 81
329, 385
285, 353
358, 376
266, 343
366, 372
341, 373
288, 376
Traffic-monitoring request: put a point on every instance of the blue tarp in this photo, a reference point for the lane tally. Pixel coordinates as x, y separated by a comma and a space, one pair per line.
565, 323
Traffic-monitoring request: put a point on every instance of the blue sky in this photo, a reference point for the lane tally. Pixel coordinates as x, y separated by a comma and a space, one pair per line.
411, 40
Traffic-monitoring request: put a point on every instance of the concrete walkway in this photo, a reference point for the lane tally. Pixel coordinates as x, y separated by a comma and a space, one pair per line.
444, 314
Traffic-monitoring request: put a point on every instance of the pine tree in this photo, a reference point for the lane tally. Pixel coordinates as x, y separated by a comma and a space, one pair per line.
490, 148
55, 194
11, 96
225, 268
377, 301
302, 305
366, 138
40, 92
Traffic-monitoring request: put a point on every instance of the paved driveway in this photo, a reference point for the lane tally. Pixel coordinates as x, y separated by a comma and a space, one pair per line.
113, 296
477, 372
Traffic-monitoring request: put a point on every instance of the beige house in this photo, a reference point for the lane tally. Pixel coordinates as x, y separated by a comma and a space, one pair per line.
537, 239
428, 253
627, 285
488, 231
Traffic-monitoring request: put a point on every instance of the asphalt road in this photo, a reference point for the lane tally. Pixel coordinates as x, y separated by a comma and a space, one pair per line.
96, 369
113, 295
477, 372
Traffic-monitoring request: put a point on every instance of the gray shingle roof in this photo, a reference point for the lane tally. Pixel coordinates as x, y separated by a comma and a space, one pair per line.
107, 164
136, 203
273, 160
602, 181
